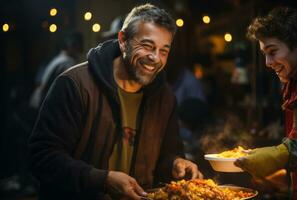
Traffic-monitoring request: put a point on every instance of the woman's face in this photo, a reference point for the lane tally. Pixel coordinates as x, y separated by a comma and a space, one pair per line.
279, 57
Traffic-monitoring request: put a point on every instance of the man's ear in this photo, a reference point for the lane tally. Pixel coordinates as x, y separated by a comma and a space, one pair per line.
122, 40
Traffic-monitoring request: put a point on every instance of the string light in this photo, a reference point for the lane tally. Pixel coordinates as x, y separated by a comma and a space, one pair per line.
53, 28
88, 16
179, 22
5, 27
53, 12
228, 37
206, 19
96, 27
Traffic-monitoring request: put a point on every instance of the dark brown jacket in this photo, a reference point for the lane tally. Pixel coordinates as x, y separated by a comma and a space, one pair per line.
79, 122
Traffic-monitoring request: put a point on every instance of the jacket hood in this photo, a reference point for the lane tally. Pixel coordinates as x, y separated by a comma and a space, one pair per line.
100, 61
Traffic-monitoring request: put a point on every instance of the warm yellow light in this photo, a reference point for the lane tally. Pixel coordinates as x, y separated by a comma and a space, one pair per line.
198, 71
228, 37
53, 12
96, 27
5, 27
179, 22
53, 28
206, 19
88, 16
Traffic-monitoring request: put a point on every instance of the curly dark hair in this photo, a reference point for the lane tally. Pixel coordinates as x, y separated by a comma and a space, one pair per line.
147, 13
280, 23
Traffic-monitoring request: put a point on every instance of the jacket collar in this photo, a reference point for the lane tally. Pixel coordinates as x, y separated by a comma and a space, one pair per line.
290, 91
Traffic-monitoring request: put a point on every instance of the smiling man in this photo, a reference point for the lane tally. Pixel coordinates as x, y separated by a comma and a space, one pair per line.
277, 36
279, 57
108, 127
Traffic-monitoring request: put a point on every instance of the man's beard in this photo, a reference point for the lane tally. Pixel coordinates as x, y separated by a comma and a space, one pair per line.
135, 72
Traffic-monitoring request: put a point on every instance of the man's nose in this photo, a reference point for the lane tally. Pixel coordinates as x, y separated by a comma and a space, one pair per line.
269, 61
154, 56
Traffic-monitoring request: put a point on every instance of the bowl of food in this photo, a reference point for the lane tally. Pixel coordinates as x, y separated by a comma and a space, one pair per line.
224, 161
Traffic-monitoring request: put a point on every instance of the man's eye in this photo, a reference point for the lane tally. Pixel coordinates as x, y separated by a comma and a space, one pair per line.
271, 52
164, 52
147, 46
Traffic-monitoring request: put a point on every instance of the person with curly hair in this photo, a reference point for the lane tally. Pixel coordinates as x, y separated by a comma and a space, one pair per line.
277, 37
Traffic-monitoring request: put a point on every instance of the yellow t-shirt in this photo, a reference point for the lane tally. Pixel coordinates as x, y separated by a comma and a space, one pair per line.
121, 156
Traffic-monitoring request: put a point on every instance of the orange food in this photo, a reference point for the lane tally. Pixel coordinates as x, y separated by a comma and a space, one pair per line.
233, 153
198, 189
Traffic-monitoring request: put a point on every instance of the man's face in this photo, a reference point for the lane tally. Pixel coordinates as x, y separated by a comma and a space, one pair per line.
279, 57
145, 55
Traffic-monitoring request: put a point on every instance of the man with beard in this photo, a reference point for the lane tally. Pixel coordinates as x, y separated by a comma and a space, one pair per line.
108, 127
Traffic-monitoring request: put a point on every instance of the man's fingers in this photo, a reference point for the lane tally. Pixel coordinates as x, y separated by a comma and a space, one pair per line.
129, 191
180, 170
240, 162
184, 168
196, 173
193, 170
200, 175
139, 189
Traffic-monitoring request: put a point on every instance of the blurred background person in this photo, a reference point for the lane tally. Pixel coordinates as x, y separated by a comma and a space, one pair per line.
115, 27
23, 116
70, 49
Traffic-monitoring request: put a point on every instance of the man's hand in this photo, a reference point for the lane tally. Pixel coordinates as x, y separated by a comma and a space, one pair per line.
125, 185
185, 168
264, 161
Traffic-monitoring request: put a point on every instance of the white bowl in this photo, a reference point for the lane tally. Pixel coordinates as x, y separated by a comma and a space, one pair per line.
222, 164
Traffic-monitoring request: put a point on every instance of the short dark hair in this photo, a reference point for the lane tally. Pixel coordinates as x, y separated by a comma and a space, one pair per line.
281, 23
147, 13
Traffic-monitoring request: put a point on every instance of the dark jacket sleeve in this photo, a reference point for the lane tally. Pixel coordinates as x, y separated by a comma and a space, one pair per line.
172, 147
56, 133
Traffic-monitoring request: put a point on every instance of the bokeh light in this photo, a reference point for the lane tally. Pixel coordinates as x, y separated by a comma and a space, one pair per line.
96, 27
179, 22
88, 16
53, 28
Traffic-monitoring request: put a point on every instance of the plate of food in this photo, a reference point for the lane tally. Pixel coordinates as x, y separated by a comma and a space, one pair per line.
239, 192
224, 161
200, 189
